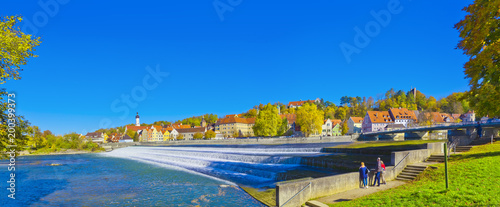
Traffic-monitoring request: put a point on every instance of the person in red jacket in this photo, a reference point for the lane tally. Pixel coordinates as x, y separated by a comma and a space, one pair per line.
383, 172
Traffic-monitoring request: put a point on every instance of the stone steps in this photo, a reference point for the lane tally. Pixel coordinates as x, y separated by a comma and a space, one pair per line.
410, 172
435, 158
463, 148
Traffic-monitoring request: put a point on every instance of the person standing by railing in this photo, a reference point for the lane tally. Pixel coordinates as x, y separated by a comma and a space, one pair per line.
379, 170
363, 176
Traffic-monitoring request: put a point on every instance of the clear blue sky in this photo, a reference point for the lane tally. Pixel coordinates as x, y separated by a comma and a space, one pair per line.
93, 52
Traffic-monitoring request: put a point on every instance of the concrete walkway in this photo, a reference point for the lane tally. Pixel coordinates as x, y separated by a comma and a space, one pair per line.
359, 192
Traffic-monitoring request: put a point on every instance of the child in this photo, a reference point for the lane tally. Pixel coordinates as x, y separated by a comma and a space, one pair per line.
363, 175
383, 172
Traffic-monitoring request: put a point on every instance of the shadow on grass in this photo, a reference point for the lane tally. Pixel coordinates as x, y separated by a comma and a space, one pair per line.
460, 157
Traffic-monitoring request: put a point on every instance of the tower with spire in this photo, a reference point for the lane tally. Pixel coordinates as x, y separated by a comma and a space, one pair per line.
137, 122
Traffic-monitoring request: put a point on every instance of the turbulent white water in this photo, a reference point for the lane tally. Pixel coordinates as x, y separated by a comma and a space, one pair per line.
256, 165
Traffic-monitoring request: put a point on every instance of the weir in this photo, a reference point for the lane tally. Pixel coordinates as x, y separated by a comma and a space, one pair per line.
253, 165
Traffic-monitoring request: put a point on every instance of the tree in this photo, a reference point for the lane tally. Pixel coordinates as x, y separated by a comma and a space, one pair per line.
480, 33
267, 121
210, 134
341, 112
283, 128
17, 47
252, 113
133, 134
330, 112
236, 133
309, 118
197, 135
345, 128
210, 118
180, 137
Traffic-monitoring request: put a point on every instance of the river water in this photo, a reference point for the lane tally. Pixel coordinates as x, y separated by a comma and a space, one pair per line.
154, 176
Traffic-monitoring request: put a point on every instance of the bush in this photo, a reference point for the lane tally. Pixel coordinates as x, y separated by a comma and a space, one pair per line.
198, 135
210, 134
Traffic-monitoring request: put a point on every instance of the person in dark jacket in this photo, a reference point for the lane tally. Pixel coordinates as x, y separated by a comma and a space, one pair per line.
363, 175
379, 170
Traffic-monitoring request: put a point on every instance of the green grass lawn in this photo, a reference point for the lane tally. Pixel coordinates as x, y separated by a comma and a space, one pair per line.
357, 145
474, 180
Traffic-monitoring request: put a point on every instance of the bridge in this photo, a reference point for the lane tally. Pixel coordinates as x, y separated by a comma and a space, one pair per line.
463, 129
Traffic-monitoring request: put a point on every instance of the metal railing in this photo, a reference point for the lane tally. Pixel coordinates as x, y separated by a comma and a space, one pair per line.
400, 161
296, 194
453, 145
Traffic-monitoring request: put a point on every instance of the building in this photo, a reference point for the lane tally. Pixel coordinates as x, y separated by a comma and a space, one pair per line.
166, 134
291, 121
403, 116
391, 127
331, 127
231, 125
97, 137
355, 125
125, 138
114, 137
137, 122
173, 133
376, 121
188, 133
470, 116
439, 118
295, 104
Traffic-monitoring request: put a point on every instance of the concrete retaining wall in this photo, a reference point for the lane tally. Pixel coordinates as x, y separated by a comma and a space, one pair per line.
338, 183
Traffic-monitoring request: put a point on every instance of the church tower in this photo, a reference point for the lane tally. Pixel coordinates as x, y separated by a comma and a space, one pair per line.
137, 123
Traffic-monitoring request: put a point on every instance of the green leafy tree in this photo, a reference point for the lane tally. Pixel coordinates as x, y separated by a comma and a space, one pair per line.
267, 121
236, 133
197, 135
180, 137
133, 134
17, 47
252, 113
309, 118
210, 134
283, 128
330, 112
480, 33
341, 112
345, 127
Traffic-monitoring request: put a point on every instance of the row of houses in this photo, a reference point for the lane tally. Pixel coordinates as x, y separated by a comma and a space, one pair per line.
396, 118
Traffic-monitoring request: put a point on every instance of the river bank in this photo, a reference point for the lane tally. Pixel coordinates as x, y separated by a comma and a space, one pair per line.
61, 152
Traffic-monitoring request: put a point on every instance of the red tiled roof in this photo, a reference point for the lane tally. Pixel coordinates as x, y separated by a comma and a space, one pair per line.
233, 115
191, 130
380, 116
298, 103
136, 128
402, 113
357, 119
439, 117
236, 120
335, 122
290, 117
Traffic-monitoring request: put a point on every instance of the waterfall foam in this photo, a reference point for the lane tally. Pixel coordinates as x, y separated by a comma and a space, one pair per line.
254, 165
